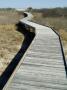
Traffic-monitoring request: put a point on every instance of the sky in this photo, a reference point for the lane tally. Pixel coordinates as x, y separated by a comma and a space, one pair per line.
32, 3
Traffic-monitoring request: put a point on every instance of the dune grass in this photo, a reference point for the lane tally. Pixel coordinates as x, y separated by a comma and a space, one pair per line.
10, 43
10, 39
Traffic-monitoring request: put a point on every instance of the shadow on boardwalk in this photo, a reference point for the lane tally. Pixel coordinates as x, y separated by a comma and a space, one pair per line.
29, 36
64, 59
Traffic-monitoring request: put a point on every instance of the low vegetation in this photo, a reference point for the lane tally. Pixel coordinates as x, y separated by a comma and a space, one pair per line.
10, 39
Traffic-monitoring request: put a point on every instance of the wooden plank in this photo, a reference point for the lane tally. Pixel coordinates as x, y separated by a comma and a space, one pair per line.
43, 67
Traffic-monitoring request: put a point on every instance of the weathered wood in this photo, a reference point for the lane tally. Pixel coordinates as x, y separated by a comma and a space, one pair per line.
43, 67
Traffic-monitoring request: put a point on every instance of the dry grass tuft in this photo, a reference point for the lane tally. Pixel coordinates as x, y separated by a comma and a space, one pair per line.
10, 39
10, 43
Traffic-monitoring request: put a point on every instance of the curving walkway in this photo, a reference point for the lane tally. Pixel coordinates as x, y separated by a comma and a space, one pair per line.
44, 66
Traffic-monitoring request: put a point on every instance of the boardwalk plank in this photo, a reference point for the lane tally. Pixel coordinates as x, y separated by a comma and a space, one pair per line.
43, 67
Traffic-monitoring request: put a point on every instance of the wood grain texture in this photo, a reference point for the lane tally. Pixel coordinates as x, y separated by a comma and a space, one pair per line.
43, 67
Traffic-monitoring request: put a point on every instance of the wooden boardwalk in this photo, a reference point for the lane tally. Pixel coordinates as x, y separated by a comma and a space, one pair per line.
43, 66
